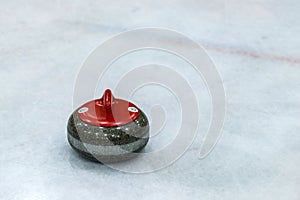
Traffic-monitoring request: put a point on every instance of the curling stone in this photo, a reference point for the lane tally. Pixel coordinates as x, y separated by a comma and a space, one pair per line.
108, 129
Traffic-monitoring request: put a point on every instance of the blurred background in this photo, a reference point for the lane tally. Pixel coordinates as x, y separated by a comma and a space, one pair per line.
255, 46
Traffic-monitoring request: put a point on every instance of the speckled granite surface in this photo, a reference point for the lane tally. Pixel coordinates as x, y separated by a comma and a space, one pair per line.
255, 45
108, 144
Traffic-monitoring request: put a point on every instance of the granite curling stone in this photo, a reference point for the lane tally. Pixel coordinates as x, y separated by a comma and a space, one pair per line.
108, 129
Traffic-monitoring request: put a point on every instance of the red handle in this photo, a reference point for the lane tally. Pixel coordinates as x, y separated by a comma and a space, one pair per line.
108, 98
